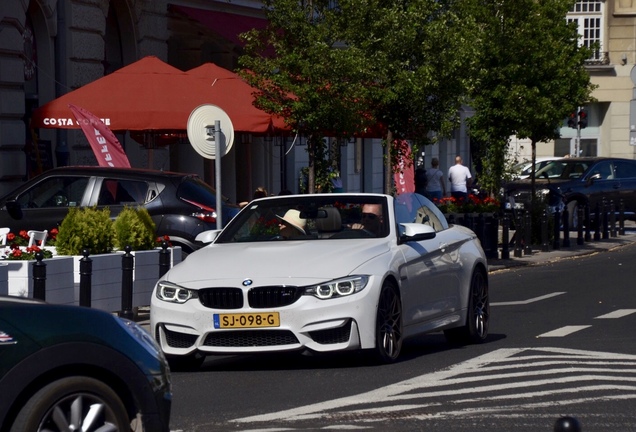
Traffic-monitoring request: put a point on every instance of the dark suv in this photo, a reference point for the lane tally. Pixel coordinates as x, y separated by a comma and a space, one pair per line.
572, 181
181, 205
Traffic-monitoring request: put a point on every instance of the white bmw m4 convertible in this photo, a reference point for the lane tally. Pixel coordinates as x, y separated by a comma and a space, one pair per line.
324, 273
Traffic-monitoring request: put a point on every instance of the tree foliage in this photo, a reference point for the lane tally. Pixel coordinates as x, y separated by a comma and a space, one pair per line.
361, 67
531, 75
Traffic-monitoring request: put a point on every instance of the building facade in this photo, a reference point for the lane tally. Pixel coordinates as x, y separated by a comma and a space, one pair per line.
611, 131
51, 47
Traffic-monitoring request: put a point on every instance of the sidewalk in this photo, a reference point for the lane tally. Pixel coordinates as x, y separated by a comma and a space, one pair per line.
538, 257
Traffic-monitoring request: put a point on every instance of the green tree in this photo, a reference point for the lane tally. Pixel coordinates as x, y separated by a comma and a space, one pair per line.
531, 75
306, 73
341, 69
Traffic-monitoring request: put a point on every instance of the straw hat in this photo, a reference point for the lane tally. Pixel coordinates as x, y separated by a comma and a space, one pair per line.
292, 218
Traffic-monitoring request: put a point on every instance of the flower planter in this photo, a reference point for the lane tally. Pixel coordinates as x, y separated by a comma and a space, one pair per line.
105, 281
146, 272
485, 225
4, 279
59, 279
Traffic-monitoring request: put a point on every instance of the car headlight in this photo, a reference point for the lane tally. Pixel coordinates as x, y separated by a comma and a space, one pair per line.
170, 292
338, 288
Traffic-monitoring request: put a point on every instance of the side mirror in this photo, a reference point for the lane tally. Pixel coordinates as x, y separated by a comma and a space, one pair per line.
14, 209
207, 237
416, 232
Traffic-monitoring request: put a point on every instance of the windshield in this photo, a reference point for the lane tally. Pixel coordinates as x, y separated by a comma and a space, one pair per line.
310, 217
563, 169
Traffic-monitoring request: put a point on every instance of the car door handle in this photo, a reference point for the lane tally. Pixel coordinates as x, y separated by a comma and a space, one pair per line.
443, 246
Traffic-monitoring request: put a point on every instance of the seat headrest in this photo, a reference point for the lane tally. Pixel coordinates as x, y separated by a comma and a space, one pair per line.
331, 223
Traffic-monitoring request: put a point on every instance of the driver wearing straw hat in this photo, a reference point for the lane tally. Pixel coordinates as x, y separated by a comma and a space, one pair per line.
291, 225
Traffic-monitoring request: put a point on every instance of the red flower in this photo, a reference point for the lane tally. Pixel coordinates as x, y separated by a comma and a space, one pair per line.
10, 237
24, 234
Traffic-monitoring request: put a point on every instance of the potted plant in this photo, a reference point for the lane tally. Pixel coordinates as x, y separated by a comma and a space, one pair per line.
134, 227
90, 229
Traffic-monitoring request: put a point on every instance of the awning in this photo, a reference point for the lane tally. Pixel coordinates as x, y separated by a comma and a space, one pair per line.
227, 25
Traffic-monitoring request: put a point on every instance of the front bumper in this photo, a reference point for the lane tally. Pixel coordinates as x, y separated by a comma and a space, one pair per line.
337, 324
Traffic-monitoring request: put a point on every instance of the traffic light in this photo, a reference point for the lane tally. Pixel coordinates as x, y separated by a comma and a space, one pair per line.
572, 121
582, 119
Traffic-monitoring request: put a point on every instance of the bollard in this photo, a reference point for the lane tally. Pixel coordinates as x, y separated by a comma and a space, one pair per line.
518, 233
567, 424
557, 230
505, 234
527, 231
612, 218
579, 227
566, 227
621, 217
545, 239
39, 277
127, 266
588, 234
597, 222
164, 259
605, 211
86, 271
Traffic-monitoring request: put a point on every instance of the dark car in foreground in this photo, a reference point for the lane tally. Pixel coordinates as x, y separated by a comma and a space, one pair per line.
66, 368
570, 182
181, 205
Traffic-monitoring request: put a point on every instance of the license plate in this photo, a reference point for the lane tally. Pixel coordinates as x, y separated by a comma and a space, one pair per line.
247, 320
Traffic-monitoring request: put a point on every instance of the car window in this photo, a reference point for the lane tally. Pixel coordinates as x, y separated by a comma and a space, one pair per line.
624, 170
414, 208
563, 170
314, 217
195, 191
55, 192
122, 192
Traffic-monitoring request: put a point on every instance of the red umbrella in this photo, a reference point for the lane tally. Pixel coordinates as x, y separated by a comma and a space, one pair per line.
150, 95
146, 95
231, 93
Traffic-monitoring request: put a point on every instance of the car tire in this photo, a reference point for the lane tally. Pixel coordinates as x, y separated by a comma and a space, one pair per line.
475, 330
185, 363
73, 401
388, 327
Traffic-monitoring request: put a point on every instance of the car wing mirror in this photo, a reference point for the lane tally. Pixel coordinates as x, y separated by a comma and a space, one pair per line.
208, 236
594, 177
14, 209
416, 232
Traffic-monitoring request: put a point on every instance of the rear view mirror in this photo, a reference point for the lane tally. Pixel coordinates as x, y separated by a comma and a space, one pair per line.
14, 209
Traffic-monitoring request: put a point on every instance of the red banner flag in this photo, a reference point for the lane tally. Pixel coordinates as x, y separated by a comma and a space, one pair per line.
103, 141
404, 176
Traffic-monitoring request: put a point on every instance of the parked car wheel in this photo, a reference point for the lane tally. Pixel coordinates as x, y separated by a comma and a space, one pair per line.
388, 324
573, 215
478, 318
73, 403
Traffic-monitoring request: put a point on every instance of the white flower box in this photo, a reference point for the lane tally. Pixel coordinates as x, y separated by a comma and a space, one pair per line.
105, 281
146, 272
59, 279
4, 279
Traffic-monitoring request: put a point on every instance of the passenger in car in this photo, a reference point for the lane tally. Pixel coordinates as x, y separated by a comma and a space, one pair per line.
291, 225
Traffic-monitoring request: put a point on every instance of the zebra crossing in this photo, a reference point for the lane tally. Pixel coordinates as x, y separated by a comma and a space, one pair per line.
506, 382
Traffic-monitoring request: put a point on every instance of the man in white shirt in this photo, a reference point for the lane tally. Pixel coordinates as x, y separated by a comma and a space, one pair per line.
460, 179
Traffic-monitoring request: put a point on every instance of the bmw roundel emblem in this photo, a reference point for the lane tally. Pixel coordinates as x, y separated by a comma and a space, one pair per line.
247, 282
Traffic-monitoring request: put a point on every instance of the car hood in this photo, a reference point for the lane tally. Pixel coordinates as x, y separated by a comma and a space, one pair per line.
539, 184
271, 262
